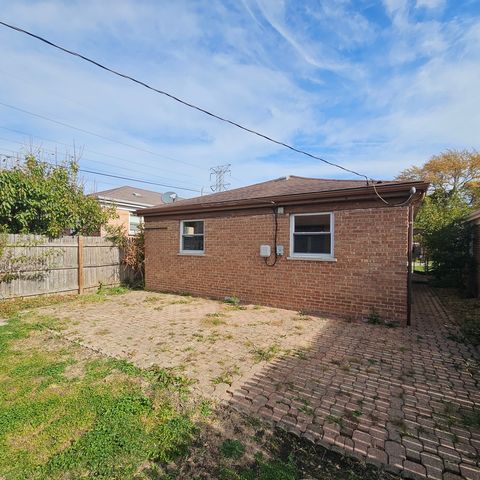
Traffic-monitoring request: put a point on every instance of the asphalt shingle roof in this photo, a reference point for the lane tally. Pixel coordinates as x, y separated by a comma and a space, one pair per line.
131, 195
281, 186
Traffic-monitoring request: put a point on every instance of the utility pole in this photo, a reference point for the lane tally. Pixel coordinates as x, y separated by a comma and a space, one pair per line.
219, 173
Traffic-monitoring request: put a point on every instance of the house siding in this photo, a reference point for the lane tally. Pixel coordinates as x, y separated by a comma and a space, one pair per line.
122, 220
370, 271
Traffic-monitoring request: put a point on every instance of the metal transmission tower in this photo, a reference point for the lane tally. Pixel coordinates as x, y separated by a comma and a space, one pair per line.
219, 172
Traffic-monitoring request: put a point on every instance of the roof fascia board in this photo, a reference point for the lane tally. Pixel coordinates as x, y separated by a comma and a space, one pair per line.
352, 194
118, 202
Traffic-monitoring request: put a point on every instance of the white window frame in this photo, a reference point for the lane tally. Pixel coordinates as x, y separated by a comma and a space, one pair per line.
191, 252
130, 214
312, 256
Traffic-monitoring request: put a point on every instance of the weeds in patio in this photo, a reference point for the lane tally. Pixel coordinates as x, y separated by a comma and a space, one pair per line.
265, 354
226, 376
214, 319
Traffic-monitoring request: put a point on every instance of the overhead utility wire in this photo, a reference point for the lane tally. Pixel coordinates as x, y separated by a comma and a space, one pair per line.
137, 180
43, 149
183, 102
58, 122
84, 170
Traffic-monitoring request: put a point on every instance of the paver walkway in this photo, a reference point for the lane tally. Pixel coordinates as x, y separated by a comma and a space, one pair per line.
402, 397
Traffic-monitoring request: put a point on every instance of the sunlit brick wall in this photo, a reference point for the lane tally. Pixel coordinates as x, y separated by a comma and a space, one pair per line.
370, 271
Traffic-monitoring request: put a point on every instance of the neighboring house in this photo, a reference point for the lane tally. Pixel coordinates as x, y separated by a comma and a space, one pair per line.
474, 219
341, 250
126, 201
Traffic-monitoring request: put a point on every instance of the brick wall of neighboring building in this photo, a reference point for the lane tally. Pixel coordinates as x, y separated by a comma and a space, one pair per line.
370, 245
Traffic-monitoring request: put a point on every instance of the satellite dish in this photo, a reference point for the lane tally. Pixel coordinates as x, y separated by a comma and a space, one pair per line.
169, 197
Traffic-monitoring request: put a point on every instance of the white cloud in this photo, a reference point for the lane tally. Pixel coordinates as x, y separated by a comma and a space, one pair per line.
325, 76
430, 4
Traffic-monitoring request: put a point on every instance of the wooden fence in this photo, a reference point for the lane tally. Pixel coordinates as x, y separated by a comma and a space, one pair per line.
77, 264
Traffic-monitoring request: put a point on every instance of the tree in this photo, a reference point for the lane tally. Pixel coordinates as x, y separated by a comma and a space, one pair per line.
445, 237
453, 171
47, 199
454, 177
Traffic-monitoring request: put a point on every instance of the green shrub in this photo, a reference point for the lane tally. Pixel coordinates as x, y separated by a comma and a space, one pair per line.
233, 300
374, 317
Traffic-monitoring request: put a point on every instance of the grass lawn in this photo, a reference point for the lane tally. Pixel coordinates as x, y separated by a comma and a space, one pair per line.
67, 412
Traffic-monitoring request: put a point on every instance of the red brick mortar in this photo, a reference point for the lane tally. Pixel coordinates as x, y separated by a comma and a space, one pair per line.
370, 271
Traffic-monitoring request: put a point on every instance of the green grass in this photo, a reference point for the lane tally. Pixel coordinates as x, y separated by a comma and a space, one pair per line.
105, 421
10, 307
13, 306
232, 448
119, 290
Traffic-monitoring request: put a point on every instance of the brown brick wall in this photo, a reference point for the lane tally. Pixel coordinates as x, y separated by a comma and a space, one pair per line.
370, 271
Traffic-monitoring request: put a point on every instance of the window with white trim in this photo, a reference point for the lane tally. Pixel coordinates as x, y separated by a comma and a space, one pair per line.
133, 222
311, 235
191, 236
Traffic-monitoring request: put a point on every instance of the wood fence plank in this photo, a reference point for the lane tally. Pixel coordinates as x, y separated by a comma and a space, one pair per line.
100, 258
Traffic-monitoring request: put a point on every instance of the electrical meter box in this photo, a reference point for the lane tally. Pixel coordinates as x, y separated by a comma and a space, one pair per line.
265, 251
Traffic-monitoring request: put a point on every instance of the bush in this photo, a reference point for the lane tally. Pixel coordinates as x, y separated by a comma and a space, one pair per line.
449, 249
133, 251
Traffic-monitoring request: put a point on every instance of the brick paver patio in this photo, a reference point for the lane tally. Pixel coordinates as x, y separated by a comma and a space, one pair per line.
208, 341
401, 397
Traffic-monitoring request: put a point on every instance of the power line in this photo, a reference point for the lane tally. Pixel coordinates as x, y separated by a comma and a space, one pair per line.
58, 122
179, 100
86, 150
137, 180
92, 151
84, 170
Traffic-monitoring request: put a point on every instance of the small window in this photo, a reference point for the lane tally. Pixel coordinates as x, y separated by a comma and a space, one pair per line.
191, 240
133, 223
312, 235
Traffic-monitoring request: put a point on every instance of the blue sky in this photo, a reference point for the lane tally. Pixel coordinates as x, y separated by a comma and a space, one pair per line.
375, 86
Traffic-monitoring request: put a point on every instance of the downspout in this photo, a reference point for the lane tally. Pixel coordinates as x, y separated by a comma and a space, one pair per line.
409, 262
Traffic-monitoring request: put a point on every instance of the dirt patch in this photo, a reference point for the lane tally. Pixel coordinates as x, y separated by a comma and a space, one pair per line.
230, 444
76, 370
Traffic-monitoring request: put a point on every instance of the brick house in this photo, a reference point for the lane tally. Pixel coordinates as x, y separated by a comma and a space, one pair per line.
474, 219
127, 200
322, 246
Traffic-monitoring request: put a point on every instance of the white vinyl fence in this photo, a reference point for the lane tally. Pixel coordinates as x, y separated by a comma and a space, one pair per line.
75, 264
